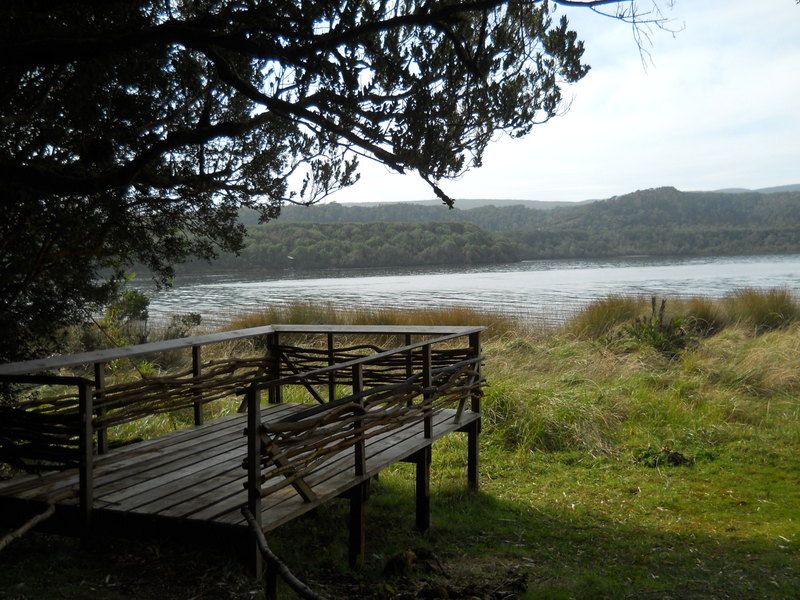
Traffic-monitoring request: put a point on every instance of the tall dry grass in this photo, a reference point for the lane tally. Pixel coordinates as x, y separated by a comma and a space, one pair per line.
315, 313
758, 309
762, 309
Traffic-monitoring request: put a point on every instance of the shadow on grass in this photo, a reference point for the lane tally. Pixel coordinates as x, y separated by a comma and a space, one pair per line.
479, 547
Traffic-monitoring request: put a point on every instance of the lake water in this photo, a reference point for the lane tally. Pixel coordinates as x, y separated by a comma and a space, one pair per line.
548, 290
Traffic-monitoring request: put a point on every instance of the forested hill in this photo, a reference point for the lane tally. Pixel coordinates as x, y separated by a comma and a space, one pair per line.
664, 206
351, 245
668, 207
662, 221
665, 221
490, 218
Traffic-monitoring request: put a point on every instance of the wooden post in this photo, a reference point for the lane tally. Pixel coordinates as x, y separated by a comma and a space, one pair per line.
360, 447
197, 369
274, 354
427, 381
358, 525
254, 466
409, 363
99, 384
332, 374
474, 430
85, 445
422, 459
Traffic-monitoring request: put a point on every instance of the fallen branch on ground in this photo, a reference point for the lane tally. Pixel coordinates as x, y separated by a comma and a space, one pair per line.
18, 533
300, 588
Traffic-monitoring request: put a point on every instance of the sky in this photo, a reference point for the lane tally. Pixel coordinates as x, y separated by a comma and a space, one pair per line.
716, 105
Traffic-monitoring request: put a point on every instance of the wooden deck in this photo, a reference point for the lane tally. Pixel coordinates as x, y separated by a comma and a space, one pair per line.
194, 477
279, 460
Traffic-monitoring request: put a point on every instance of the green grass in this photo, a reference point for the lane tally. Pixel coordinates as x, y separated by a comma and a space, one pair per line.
582, 493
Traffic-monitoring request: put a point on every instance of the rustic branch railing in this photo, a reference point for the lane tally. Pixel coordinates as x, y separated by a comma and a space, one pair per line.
298, 444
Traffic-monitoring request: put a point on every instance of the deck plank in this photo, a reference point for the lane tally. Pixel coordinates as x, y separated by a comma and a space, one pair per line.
140, 457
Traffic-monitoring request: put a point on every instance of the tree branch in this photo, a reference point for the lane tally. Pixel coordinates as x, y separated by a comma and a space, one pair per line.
300, 588
18, 533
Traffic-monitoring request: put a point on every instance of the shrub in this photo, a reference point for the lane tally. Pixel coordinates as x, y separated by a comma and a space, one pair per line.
668, 336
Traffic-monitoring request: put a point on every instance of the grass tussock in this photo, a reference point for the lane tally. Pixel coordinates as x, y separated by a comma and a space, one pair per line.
601, 317
762, 310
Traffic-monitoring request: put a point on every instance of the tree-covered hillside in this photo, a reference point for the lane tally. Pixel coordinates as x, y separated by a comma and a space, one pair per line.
668, 207
662, 221
350, 245
490, 218
665, 221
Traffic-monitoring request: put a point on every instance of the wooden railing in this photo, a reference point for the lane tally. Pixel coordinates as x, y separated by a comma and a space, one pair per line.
64, 431
389, 390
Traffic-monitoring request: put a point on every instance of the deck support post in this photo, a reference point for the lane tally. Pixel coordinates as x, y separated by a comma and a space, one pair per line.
422, 460
473, 455
99, 384
332, 374
474, 429
274, 355
427, 382
86, 449
358, 525
197, 370
254, 467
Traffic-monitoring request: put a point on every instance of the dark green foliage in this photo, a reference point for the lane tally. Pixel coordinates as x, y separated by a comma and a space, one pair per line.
491, 218
657, 222
654, 222
182, 325
120, 322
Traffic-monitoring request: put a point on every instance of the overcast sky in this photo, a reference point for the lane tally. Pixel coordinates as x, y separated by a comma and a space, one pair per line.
717, 106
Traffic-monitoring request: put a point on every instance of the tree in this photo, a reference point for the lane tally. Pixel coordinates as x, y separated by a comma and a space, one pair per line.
135, 131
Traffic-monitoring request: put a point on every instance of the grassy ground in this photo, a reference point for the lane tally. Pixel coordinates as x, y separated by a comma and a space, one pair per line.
614, 465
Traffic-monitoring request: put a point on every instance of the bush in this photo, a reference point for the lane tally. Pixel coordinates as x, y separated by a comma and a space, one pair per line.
668, 336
